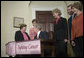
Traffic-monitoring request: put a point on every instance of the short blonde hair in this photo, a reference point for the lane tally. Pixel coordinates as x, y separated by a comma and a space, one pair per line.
57, 11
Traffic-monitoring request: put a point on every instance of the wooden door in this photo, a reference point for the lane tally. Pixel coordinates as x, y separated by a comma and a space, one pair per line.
46, 19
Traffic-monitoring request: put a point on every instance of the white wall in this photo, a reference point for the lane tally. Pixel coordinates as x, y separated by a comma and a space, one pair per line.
48, 6
10, 9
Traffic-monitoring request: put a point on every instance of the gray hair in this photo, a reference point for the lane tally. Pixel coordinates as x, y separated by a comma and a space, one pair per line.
39, 26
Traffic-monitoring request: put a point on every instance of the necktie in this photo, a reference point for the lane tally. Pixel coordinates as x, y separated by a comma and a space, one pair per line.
70, 21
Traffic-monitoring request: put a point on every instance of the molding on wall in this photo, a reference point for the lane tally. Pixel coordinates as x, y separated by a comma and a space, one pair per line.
29, 3
65, 3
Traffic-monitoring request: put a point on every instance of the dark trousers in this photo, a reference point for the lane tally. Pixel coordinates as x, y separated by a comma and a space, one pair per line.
78, 48
61, 49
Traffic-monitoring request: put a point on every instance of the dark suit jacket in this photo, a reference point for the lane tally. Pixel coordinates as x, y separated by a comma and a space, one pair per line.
19, 36
43, 35
69, 25
60, 30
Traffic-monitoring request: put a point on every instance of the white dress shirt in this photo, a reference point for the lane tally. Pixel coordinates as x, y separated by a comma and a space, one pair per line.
38, 34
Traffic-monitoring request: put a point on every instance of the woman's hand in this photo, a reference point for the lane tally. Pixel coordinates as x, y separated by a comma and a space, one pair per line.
73, 43
35, 29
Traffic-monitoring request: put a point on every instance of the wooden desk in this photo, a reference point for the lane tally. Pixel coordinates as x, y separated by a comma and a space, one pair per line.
48, 44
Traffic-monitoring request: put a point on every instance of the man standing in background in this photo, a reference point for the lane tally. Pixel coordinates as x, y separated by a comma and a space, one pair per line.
72, 15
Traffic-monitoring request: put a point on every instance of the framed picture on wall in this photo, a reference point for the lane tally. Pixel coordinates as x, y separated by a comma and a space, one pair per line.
18, 21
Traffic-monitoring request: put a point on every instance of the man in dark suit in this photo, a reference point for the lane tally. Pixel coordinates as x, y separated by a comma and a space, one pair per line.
60, 33
40, 34
72, 15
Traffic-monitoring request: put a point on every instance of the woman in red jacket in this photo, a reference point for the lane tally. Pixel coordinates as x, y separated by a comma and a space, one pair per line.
77, 30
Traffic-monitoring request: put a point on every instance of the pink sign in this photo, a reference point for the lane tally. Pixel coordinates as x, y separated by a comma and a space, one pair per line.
24, 47
10, 48
28, 47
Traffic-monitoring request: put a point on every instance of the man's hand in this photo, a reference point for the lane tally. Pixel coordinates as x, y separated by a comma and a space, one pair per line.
73, 43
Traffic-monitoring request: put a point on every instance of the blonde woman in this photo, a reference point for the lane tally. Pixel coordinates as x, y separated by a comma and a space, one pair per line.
60, 33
